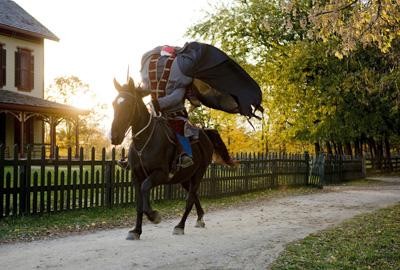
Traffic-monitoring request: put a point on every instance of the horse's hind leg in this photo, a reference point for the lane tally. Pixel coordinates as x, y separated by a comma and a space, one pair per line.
200, 213
180, 228
191, 188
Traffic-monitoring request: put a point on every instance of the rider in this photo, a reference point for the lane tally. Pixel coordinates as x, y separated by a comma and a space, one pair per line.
161, 75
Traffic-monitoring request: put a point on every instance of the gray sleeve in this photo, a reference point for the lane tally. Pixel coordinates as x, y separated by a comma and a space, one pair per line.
172, 99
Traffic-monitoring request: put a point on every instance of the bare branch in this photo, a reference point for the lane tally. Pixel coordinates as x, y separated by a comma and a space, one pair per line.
337, 9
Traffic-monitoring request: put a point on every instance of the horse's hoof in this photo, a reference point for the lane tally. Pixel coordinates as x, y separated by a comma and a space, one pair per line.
178, 231
133, 236
200, 224
155, 217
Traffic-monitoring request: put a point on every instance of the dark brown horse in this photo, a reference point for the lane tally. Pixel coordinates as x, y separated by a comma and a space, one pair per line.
152, 153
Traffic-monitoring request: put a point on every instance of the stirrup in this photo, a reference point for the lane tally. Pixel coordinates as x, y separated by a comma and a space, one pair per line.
185, 161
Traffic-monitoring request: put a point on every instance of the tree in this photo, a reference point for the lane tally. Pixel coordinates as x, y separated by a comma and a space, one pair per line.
250, 29
318, 86
355, 22
67, 90
255, 33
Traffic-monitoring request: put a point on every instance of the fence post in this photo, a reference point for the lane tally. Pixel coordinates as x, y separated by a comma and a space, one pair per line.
363, 167
22, 184
108, 186
322, 170
24, 178
307, 163
340, 176
213, 185
246, 175
108, 180
167, 192
2, 154
274, 169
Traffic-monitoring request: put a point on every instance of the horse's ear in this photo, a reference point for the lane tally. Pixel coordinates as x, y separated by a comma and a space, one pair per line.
131, 83
117, 85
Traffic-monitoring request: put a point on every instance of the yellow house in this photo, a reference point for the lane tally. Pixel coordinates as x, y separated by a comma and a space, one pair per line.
23, 108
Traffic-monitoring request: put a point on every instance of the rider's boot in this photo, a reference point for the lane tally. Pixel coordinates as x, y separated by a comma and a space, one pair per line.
185, 160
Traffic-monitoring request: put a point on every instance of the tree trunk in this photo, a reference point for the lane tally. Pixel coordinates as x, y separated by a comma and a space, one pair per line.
379, 153
363, 140
329, 148
317, 148
347, 149
340, 148
335, 148
388, 158
372, 150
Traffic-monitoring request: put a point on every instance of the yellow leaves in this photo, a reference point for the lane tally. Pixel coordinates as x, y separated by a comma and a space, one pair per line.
339, 55
375, 23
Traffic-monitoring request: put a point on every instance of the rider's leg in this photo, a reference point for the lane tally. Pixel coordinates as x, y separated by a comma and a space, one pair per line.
186, 157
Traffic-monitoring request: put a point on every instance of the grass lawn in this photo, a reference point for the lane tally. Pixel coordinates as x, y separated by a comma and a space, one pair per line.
368, 241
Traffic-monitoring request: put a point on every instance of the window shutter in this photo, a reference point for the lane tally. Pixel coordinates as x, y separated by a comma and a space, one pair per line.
17, 69
3, 67
32, 73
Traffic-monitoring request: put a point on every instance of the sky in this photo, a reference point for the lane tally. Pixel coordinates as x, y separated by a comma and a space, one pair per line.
99, 39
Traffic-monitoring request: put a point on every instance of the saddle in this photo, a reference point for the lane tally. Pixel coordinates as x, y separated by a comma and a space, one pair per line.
182, 127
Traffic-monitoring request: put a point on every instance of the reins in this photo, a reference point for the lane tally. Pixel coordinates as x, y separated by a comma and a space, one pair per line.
140, 152
143, 129
136, 135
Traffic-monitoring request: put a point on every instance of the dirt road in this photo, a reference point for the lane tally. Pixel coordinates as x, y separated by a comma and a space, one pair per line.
249, 237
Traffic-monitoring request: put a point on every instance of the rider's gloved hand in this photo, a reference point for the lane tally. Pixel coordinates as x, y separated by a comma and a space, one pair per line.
155, 107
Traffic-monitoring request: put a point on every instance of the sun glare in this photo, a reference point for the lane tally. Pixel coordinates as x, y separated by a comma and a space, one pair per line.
99, 44
83, 102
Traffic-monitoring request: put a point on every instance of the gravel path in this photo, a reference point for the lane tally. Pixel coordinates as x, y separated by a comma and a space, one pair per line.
249, 237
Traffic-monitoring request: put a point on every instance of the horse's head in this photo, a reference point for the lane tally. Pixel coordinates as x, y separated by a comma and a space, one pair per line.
125, 105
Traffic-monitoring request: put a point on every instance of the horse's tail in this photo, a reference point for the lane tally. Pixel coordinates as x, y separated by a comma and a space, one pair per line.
221, 154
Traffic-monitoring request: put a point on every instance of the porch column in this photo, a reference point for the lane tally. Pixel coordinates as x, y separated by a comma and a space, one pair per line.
53, 137
22, 133
77, 137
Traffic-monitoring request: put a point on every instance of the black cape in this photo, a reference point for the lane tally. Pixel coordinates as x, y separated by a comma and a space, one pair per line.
219, 82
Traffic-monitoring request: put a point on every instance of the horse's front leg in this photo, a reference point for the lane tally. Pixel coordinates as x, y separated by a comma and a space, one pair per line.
154, 179
137, 231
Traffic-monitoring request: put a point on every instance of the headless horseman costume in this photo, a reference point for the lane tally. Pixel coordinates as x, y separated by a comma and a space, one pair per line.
201, 73
218, 82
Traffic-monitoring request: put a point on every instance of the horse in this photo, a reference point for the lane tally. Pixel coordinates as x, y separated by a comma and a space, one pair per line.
153, 150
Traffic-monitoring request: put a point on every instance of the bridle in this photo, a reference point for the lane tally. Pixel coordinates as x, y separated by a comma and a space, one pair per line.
135, 112
148, 125
135, 135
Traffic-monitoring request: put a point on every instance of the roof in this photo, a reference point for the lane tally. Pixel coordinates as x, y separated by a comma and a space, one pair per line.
15, 18
11, 100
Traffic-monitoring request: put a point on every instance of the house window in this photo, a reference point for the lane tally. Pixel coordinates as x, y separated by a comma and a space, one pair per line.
24, 70
2, 66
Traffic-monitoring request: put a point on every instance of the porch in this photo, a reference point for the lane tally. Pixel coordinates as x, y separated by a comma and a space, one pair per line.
23, 119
